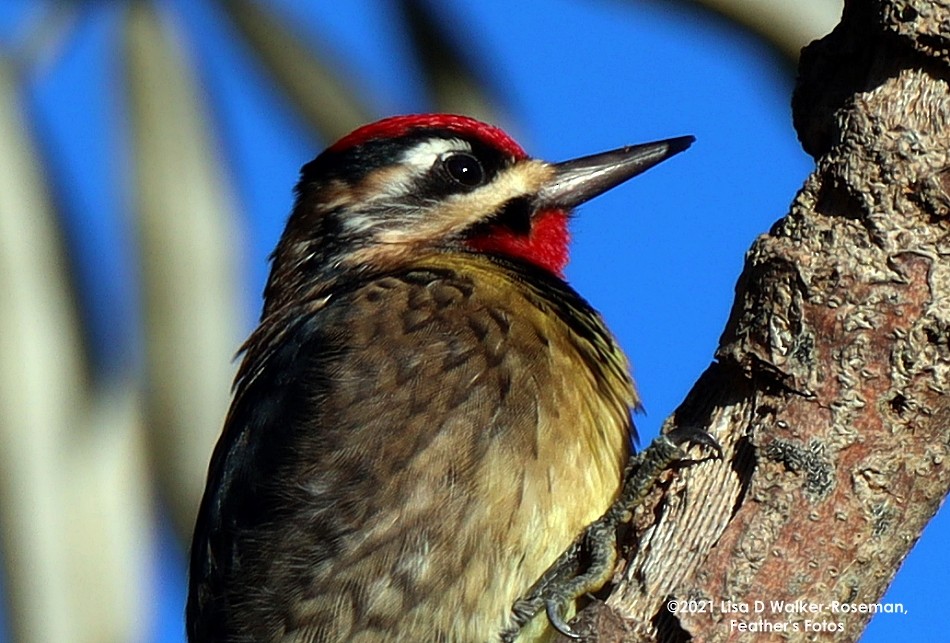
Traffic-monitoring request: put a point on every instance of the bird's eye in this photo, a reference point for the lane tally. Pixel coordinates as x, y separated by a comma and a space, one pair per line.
464, 169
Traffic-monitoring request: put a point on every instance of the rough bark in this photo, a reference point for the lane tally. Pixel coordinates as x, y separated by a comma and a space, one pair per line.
830, 390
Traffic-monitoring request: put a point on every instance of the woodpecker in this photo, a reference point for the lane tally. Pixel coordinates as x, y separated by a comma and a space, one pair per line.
427, 415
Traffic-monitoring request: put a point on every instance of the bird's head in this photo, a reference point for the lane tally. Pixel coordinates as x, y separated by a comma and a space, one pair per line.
433, 182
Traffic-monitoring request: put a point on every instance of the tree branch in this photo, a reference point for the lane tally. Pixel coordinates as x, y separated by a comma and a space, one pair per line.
829, 394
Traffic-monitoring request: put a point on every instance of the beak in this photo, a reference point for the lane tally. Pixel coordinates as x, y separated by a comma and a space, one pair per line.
580, 180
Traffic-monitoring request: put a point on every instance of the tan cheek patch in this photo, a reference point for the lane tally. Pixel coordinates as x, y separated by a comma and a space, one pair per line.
389, 181
365, 198
335, 194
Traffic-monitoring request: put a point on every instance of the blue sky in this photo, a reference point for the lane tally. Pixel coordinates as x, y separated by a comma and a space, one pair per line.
659, 257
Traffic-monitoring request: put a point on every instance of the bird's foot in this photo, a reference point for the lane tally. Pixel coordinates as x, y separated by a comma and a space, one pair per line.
584, 567
589, 562
646, 467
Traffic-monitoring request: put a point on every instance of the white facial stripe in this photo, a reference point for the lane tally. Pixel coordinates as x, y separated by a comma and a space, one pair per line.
461, 210
389, 185
393, 218
424, 155
415, 162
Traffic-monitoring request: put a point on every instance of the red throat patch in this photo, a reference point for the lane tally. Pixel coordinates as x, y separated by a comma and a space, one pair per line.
546, 246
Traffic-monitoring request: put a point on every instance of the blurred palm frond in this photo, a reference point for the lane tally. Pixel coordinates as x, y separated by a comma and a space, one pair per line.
84, 457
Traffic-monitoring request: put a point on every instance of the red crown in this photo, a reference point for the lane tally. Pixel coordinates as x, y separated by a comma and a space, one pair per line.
399, 125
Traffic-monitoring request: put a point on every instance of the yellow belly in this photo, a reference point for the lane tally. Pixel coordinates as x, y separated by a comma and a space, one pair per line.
535, 488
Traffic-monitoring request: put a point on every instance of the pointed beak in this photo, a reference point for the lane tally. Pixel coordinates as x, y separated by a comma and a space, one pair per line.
580, 180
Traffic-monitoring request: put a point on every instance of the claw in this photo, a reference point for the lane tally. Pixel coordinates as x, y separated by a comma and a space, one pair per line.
691, 435
567, 579
557, 621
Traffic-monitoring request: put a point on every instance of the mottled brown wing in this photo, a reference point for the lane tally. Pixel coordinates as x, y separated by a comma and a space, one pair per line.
385, 462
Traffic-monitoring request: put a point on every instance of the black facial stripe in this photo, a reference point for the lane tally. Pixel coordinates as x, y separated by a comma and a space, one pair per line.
352, 164
514, 214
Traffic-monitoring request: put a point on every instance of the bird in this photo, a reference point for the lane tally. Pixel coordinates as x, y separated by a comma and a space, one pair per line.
427, 415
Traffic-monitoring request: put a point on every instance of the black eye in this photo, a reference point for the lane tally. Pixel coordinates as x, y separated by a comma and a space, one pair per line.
464, 169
